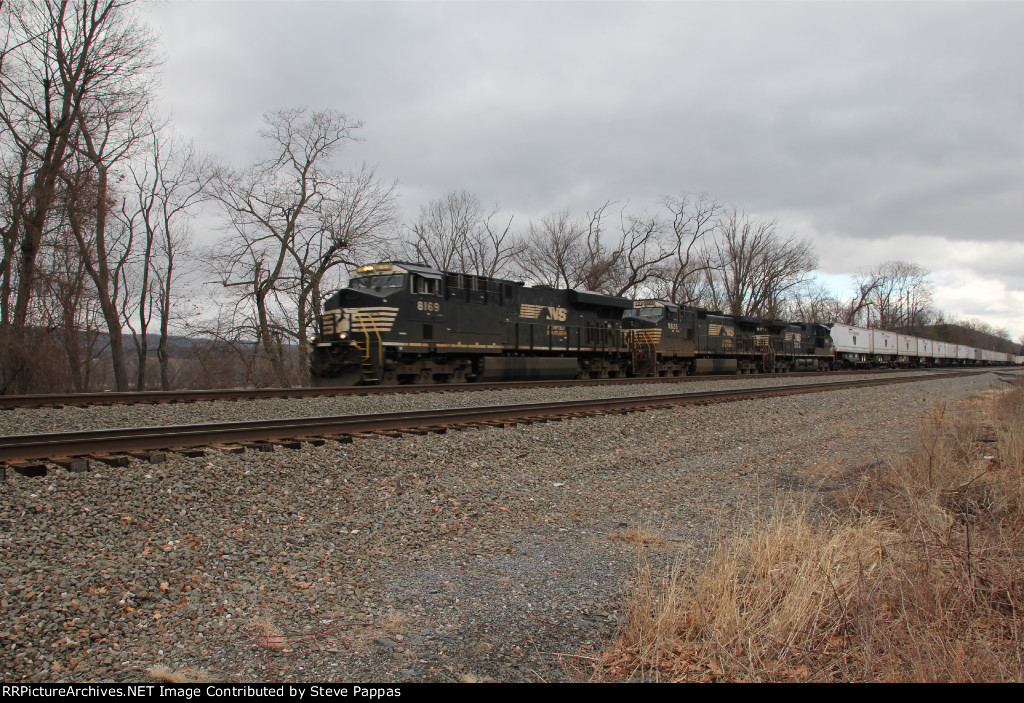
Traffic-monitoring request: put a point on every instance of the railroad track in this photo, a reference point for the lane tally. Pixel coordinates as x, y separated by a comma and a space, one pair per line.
192, 396
30, 454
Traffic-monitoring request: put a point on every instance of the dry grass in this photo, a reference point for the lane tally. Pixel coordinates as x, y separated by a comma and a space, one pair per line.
394, 621
641, 535
268, 635
918, 578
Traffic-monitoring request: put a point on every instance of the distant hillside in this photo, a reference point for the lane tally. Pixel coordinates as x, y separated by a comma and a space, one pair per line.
178, 346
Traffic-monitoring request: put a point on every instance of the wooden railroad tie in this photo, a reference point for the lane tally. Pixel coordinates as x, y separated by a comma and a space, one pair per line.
258, 446
27, 468
112, 459
74, 464
151, 457
229, 448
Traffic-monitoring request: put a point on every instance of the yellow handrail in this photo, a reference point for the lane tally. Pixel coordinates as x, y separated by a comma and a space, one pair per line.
365, 318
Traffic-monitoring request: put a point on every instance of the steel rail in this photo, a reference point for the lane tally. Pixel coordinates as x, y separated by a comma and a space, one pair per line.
82, 443
191, 396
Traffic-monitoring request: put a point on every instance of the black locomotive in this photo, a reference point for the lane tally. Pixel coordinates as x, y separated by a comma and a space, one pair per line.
687, 340
409, 323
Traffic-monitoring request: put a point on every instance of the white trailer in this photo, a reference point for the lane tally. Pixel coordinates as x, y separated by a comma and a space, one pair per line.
964, 352
907, 349
883, 346
852, 344
926, 350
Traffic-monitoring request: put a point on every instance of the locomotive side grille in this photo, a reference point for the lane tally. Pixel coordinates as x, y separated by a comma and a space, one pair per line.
373, 319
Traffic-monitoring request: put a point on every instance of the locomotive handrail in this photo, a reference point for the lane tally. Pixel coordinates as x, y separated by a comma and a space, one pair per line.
363, 317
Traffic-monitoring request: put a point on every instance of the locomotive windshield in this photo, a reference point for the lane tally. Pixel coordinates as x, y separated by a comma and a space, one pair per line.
653, 312
379, 284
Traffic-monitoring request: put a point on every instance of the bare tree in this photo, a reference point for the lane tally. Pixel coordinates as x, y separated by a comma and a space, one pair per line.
453, 233
109, 132
61, 59
67, 303
552, 252
16, 171
682, 277
443, 228
594, 264
168, 184
494, 247
66, 66
754, 267
356, 221
899, 292
630, 261
866, 285
815, 303
293, 220
562, 250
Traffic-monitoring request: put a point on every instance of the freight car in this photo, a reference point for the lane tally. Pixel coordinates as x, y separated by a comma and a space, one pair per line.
862, 347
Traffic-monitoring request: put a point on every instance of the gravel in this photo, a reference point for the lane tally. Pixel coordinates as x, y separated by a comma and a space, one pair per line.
486, 554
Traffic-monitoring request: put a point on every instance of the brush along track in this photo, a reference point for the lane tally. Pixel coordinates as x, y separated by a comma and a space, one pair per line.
130, 397
264, 434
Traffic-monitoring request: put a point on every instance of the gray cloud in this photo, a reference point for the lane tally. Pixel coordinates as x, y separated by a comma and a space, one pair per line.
855, 122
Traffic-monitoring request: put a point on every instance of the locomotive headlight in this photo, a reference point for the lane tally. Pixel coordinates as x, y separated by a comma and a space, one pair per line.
343, 335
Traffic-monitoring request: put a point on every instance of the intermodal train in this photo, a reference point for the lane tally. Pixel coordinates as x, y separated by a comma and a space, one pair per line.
400, 323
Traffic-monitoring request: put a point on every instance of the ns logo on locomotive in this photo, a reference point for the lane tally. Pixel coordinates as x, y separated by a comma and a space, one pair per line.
408, 323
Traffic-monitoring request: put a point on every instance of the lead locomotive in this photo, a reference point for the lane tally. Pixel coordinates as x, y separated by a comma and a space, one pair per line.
407, 323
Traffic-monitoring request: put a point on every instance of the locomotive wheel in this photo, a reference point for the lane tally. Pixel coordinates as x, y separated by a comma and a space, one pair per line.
424, 376
351, 376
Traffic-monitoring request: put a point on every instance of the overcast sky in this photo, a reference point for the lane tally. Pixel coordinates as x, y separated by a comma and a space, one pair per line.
879, 130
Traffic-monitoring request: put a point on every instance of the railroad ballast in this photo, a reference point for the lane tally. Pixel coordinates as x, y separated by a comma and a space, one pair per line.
408, 323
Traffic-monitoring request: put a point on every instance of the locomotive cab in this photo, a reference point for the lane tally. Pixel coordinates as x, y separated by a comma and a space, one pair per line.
664, 331
348, 345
